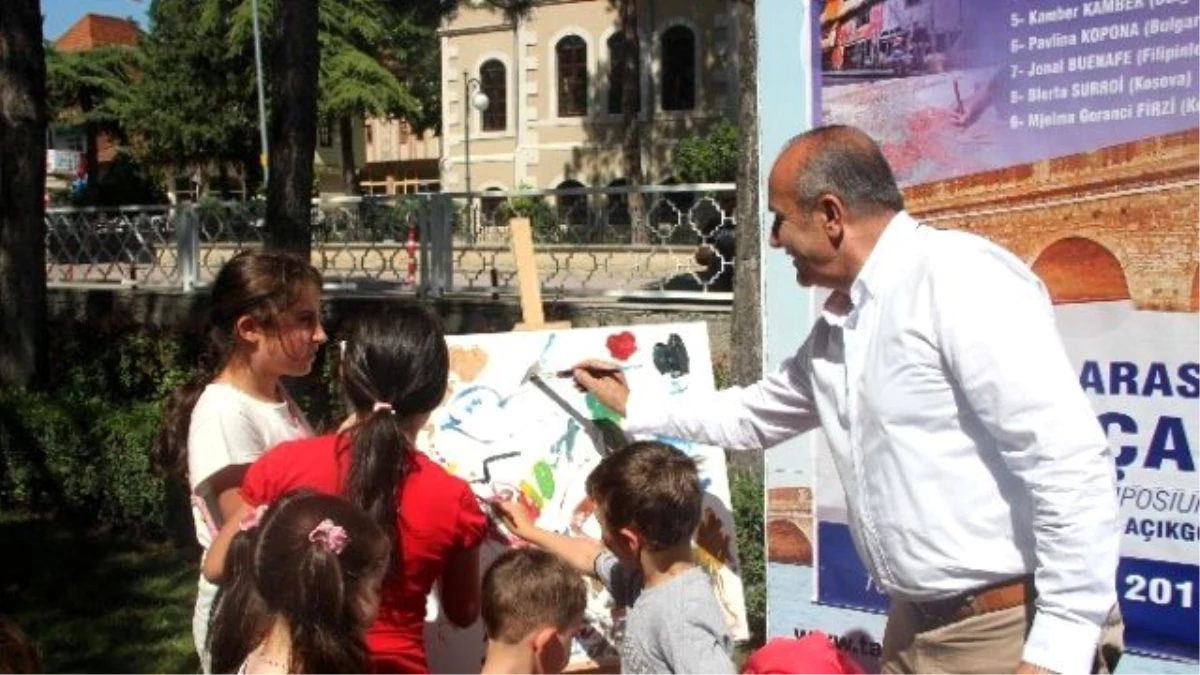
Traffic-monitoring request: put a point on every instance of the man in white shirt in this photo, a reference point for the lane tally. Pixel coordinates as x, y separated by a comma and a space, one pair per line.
980, 488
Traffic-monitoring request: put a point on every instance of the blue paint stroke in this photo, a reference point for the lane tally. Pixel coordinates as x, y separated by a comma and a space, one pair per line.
565, 445
685, 446
470, 401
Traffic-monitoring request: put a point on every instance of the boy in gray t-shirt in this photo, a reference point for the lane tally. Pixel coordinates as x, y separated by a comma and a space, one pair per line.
648, 503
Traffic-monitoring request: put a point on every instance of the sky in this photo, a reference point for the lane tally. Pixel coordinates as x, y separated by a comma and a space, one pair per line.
60, 14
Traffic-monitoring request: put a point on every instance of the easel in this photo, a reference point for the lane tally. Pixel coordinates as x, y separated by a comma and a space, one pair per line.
533, 318
528, 285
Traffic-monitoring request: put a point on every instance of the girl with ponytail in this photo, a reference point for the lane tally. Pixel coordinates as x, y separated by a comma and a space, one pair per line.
393, 371
303, 585
264, 324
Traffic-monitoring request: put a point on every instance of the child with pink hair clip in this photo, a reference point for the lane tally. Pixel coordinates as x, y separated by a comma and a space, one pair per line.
303, 584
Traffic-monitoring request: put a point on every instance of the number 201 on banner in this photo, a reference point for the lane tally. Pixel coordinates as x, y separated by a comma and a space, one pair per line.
1159, 591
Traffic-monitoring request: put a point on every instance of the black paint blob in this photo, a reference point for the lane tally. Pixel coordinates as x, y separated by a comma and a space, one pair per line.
671, 358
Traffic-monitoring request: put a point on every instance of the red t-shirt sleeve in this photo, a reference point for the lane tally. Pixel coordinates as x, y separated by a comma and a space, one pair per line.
472, 524
260, 486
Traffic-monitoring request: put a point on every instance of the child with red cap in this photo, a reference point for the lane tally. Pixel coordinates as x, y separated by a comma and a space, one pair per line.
813, 653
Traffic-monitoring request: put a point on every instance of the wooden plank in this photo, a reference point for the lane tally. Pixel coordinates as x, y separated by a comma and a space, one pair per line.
528, 284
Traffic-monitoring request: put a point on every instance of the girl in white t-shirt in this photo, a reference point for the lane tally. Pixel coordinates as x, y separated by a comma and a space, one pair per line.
264, 324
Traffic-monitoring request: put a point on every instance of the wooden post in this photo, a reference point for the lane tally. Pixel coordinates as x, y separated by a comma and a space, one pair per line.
528, 285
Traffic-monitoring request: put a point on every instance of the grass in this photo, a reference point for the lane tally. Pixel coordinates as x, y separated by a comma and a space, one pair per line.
98, 602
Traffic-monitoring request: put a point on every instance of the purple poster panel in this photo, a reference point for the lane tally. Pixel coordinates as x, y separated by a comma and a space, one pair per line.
1066, 131
956, 87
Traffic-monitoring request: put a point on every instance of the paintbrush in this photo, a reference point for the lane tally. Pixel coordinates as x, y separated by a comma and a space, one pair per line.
606, 437
595, 370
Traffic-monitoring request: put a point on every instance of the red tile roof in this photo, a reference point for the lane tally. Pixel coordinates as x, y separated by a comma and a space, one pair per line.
98, 30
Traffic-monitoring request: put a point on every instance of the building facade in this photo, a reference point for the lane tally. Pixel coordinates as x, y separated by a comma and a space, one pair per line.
66, 143
553, 118
399, 159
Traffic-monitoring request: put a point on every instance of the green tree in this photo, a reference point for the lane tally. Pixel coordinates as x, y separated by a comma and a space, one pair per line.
711, 158
353, 48
91, 89
364, 46
194, 100
22, 189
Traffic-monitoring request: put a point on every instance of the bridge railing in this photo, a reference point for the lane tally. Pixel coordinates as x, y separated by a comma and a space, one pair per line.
661, 240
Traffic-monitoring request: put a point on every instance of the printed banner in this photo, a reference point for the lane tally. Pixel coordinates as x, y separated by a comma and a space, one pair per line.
1067, 133
956, 87
1141, 373
534, 439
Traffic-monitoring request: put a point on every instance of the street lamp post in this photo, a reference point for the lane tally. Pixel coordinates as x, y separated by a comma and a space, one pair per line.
262, 105
479, 102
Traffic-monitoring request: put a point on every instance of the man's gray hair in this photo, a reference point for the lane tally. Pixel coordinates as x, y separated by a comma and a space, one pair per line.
845, 162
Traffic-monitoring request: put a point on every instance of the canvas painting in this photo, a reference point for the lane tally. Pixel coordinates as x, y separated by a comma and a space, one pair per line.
514, 427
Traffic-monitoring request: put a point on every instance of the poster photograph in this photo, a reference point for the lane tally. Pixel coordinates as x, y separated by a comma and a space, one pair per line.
1067, 133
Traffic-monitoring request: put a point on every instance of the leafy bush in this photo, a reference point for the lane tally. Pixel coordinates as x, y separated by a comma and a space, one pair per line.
79, 448
82, 458
711, 158
746, 494
542, 220
128, 181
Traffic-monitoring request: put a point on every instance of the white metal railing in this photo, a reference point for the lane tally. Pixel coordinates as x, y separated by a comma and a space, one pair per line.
672, 239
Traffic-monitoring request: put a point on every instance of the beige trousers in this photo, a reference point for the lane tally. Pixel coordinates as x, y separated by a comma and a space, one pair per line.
988, 643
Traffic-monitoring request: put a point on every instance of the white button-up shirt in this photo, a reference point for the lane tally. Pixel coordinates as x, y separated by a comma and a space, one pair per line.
967, 449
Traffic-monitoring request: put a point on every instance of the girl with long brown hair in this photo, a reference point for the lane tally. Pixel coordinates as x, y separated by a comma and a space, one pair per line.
264, 324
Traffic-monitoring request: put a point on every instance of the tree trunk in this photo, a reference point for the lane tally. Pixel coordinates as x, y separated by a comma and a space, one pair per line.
295, 60
22, 195
631, 136
223, 176
747, 297
746, 324
349, 164
91, 152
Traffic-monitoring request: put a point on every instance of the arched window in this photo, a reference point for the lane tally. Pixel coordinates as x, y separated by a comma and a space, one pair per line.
682, 201
572, 76
678, 69
491, 211
616, 205
617, 51
572, 209
494, 84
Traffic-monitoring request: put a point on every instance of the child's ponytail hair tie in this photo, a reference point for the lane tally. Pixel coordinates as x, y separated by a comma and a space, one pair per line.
253, 518
330, 535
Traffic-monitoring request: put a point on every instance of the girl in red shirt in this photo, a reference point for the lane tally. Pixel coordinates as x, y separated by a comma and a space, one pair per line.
393, 373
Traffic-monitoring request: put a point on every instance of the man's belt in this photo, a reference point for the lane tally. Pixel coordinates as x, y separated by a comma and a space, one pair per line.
994, 598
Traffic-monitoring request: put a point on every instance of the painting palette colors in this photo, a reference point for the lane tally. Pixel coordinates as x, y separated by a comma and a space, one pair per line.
509, 439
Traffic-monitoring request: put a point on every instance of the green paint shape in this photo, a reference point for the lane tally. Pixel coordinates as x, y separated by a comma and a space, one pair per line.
544, 475
598, 410
531, 494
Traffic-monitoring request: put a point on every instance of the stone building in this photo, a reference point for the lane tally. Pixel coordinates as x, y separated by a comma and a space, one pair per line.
554, 111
